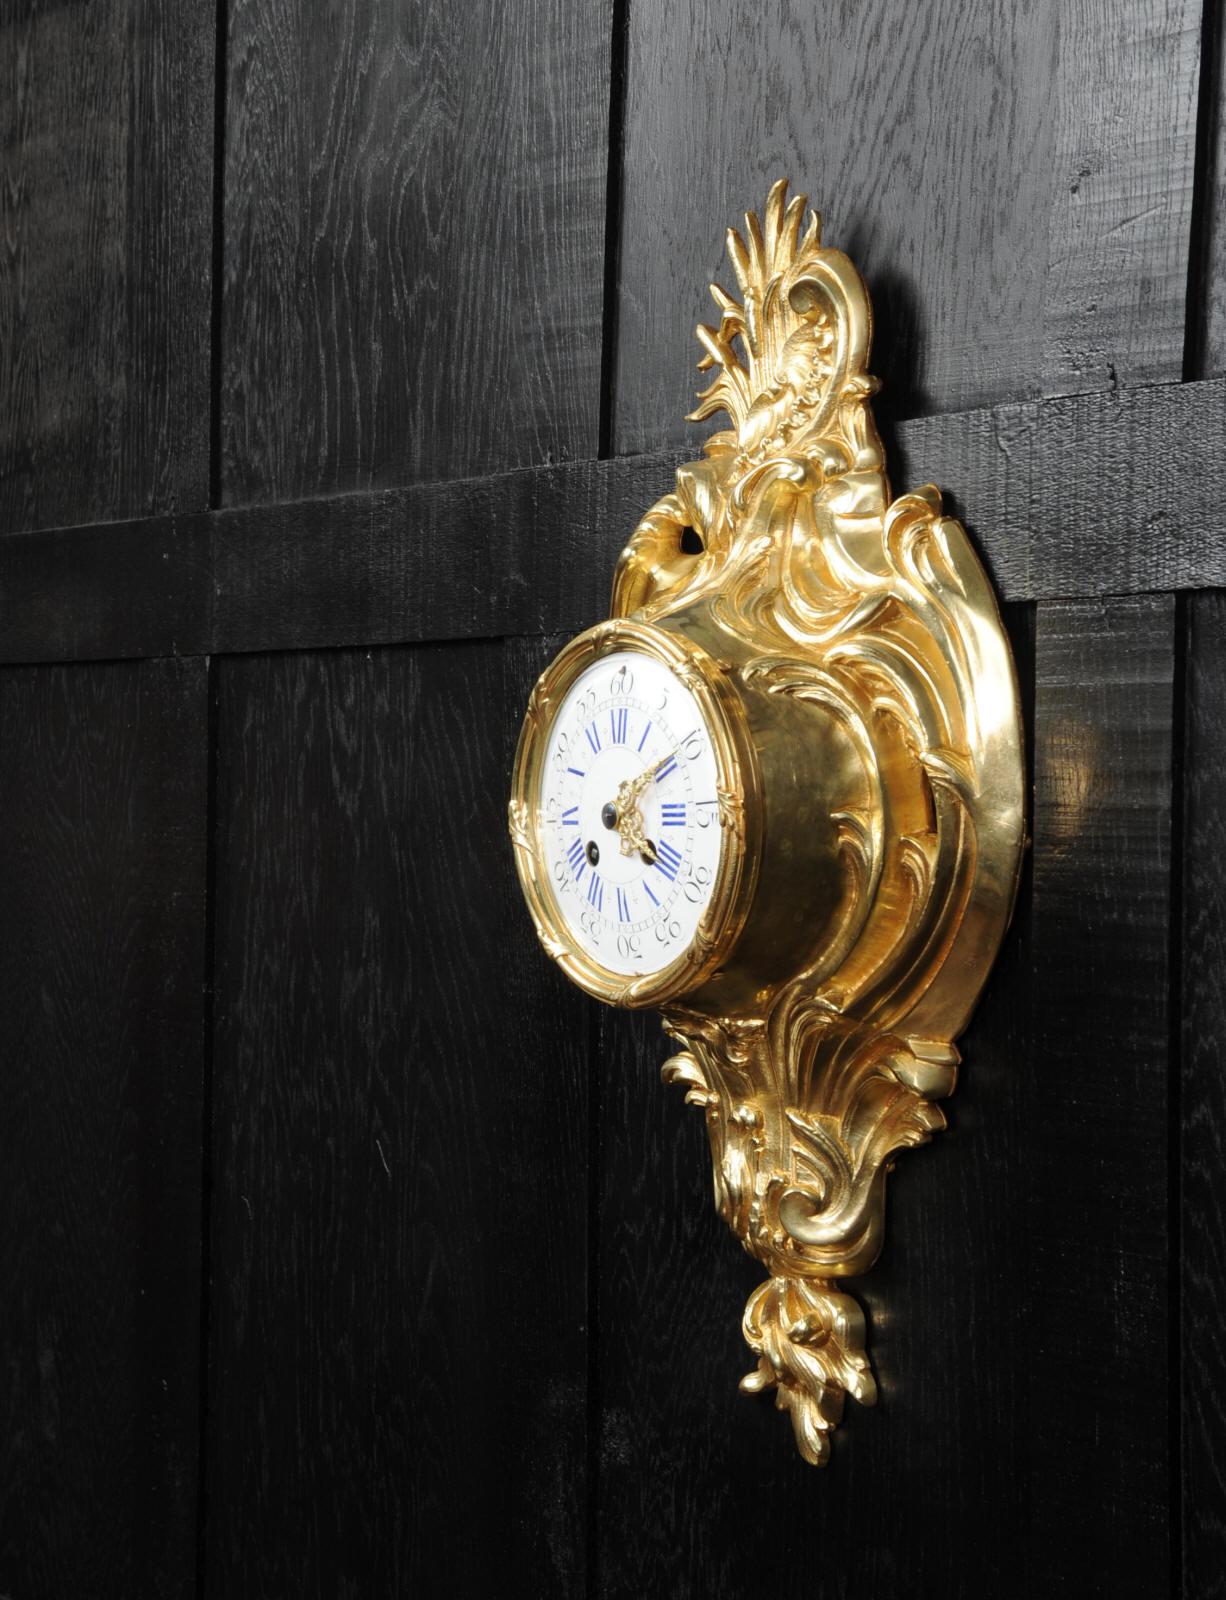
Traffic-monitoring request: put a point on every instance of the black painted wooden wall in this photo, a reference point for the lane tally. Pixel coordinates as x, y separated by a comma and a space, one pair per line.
344, 1249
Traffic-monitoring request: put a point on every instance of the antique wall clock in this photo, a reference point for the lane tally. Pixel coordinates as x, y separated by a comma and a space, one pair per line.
779, 795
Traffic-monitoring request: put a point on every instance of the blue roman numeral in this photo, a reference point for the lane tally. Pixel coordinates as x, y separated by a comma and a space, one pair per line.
576, 771
667, 859
669, 766
575, 856
617, 721
570, 817
646, 731
623, 906
650, 896
595, 892
672, 814
593, 738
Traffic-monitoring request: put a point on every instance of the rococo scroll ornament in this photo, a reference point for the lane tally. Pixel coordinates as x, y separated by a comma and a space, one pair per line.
780, 796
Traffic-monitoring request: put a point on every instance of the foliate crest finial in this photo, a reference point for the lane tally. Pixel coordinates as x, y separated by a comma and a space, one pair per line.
803, 324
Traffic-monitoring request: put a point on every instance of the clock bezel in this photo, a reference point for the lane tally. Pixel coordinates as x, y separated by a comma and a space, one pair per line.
738, 781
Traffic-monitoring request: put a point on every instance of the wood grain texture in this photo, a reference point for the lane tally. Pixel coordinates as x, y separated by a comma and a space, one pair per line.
414, 237
1203, 1104
708, 1479
1014, 181
1095, 1086
1208, 357
102, 862
1096, 494
397, 1375
106, 143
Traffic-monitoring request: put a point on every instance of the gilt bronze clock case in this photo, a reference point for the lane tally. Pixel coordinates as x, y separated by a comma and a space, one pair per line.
858, 688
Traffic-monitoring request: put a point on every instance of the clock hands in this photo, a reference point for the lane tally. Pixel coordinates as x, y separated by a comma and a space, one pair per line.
629, 819
630, 791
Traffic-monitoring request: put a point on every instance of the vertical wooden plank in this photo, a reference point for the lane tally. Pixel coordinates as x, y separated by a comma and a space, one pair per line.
1203, 1104
414, 234
106, 144
1013, 180
1208, 359
720, 1504
397, 1375
1117, 193
1095, 1175
102, 862
106, 123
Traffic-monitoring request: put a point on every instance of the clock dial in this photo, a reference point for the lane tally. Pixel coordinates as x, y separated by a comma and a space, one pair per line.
628, 813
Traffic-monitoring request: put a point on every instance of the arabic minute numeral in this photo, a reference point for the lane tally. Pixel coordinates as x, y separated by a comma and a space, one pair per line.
699, 877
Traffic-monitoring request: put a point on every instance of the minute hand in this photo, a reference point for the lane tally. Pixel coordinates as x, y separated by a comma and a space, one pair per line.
631, 791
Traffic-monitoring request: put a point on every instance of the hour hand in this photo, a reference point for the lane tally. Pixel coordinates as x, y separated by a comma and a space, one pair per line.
630, 825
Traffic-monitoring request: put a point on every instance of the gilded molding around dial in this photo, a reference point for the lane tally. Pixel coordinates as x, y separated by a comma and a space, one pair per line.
850, 668
739, 805
877, 610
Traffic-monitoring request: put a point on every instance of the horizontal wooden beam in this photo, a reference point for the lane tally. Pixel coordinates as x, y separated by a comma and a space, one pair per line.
1082, 495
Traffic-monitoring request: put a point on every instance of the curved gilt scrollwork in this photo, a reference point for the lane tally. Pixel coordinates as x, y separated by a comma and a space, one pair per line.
875, 611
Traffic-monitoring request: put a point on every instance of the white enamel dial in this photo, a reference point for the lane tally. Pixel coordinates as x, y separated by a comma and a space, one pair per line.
628, 726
